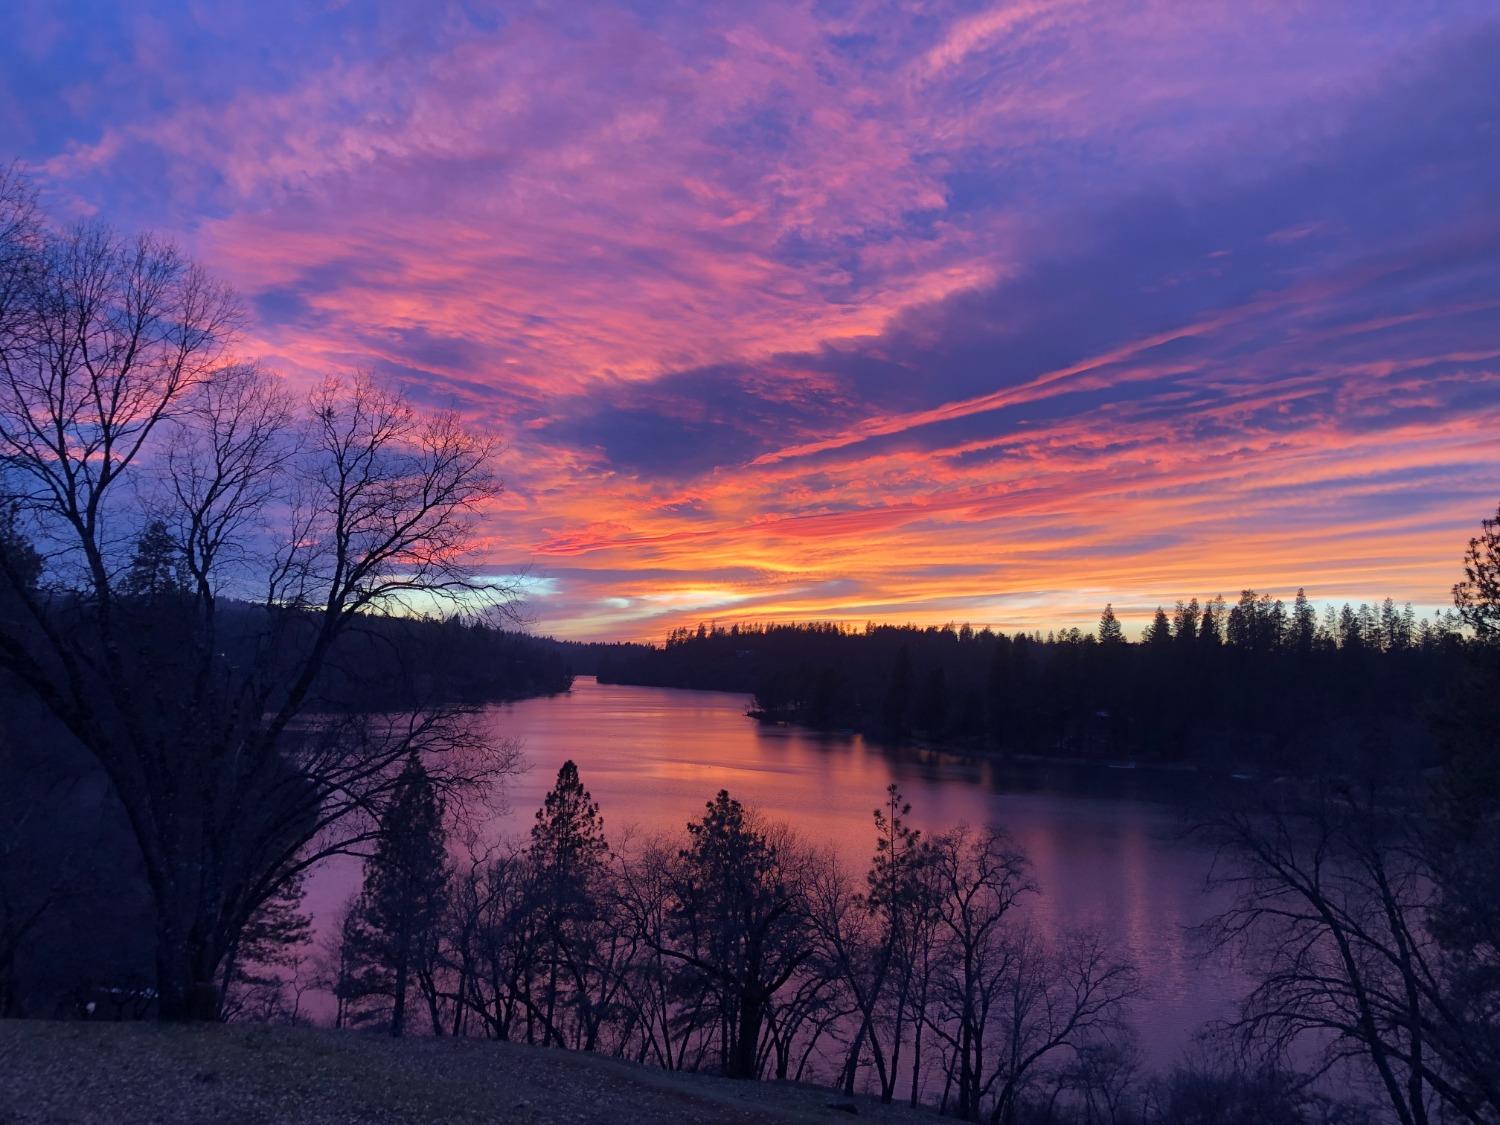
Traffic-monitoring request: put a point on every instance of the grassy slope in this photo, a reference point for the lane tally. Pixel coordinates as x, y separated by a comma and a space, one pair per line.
109, 1072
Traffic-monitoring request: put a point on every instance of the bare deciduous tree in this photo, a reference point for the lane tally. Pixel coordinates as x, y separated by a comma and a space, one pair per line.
20, 235
1047, 1006
119, 406
1333, 903
980, 877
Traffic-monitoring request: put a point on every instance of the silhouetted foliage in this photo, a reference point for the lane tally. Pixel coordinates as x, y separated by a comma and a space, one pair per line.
1478, 595
1254, 685
738, 922
393, 929
209, 549
1111, 632
1195, 1094
738, 948
567, 856
1331, 909
262, 977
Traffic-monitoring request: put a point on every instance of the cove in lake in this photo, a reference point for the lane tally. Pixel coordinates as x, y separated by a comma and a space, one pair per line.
1105, 844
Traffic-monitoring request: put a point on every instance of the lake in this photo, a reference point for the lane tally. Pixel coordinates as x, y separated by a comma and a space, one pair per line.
1104, 843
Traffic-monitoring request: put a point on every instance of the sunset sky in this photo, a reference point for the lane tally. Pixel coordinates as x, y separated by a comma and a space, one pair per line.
930, 310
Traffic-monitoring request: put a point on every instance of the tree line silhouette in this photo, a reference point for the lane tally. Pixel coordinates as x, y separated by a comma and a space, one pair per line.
1258, 682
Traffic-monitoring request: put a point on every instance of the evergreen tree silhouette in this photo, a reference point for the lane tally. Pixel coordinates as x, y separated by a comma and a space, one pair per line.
1110, 631
567, 851
404, 893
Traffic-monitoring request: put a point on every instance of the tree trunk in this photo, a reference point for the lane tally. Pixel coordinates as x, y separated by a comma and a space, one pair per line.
743, 1060
398, 1013
967, 1109
916, 1061
890, 1075
551, 999
185, 987
851, 1066
403, 956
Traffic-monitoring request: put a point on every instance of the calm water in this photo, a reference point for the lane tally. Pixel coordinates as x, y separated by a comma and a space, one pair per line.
1106, 854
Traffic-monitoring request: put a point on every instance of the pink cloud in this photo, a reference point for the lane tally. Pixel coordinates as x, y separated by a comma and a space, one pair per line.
831, 236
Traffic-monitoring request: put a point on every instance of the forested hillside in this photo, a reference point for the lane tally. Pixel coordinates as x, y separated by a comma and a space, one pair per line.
1258, 682
398, 663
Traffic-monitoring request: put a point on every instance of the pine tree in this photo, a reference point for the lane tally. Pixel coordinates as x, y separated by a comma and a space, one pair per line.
568, 836
897, 845
1110, 632
17, 555
20, 569
1395, 626
1185, 623
396, 918
739, 921
156, 569
271, 943
1159, 633
1273, 624
1211, 627
567, 851
1478, 595
1329, 632
1304, 624
894, 898
1351, 630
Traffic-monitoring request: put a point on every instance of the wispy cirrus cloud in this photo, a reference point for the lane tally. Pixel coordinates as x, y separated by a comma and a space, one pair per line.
959, 309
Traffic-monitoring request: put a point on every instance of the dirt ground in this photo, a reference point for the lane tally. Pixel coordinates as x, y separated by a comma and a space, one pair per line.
243, 1074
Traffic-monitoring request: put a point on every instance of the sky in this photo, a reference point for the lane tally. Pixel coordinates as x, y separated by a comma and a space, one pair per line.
928, 311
